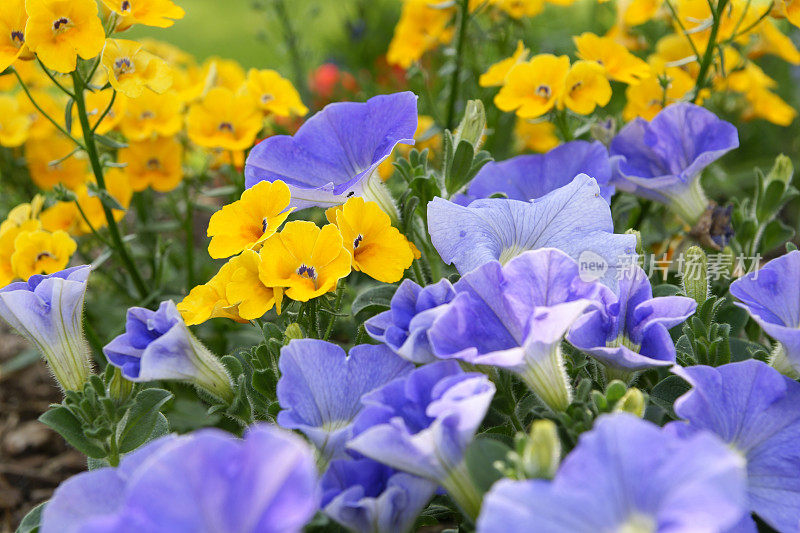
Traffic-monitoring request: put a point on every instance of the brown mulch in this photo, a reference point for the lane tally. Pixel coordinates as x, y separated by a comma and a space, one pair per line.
33, 458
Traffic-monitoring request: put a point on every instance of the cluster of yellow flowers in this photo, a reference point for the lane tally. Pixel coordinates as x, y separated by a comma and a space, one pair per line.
302, 261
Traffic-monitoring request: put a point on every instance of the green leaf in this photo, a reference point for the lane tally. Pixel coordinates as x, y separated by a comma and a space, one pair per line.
66, 424
111, 143
742, 349
140, 421
458, 171
30, 524
775, 234
480, 457
373, 300
667, 391
68, 115
665, 289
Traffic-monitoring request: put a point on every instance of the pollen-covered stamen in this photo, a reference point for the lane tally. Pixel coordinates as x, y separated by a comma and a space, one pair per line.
18, 37
308, 272
264, 224
153, 164
125, 6
45, 255
543, 91
226, 126
61, 24
123, 65
357, 241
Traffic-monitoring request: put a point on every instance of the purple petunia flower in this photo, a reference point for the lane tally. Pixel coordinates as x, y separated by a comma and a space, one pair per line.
48, 311
662, 159
574, 218
158, 345
422, 423
515, 317
369, 497
205, 481
335, 154
627, 475
630, 331
404, 327
320, 388
756, 411
770, 296
527, 177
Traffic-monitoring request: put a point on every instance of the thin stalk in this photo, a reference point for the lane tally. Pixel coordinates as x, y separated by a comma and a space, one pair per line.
463, 21
91, 226
108, 109
337, 307
292, 43
188, 226
679, 22
708, 56
58, 126
53, 79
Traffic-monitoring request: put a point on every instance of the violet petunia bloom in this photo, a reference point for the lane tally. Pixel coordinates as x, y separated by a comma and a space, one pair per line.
48, 311
630, 331
404, 327
336, 153
662, 159
574, 218
526, 177
369, 497
320, 388
515, 317
756, 411
204, 481
626, 475
770, 295
158, 345
422, 424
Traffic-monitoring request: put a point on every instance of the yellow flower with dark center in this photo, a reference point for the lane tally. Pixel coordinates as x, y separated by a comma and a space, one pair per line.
304, 259
118, 186
274, 94
15, 123
246, 290
495, 75
249, 221
533, 88
219, 72
41, 252
52, 161
379, 250
635, 12
208, 301
420, 28
520, 8
157, 13
131, 68
8, 235
224, 120
152, 114
154, 163
59, 31
618, 62
538, 136
12, 32
586, 87
96, 104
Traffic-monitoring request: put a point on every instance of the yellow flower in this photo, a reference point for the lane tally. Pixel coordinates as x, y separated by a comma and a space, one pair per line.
635, 12
649, 97
15, 124
586, 87
41, 252
536, 136
772, 41
118, 186
769, 106
618, 62
152, 114
62, 216
533, 88
155, 163
496, 74
131, 68
420, 28
249, 221
224, 120
40, 127
96, 104
50, 163
246, 290
208, 301
306, 260
8, 235
170, 53
520, 8
23, 213
220, 72
12, 32
274, 94
379, 250
60, 30
158, 13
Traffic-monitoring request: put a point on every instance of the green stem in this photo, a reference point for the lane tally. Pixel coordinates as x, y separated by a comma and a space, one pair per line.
53, 79
58, 126
108, 109
97, 169
708, 56
292, 44
188, 227
463, 20
91, 226
336, 308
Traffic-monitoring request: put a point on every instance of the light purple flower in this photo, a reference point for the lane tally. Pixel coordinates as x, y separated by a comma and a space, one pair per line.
626, 474
527, 177
48, 311
662, 159
404, 327
770, 295
756, 411
515, 317
369, 497
574, 218
335, 153
158, 345
422, 424
631, 330
320, 388
205, 481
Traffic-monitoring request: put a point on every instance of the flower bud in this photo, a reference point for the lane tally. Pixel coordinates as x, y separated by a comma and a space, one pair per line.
639, 245
473, 125
119, 388
782, 170
632, 402
294, 331
694, 274
542, 451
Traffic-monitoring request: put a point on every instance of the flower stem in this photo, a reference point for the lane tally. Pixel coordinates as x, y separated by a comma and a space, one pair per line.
463, 20
188, 226
292, 44
336, 308
708, 56
461, 488
690, 203
53, 121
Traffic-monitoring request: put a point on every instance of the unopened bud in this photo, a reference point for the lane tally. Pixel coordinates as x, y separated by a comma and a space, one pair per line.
694, 274
632, 402
639, 245
473, 125
119, 388
542, 451
782, 170
294, 331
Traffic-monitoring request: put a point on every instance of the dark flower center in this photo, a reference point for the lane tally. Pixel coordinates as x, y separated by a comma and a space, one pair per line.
264, 224
153, 163
576, 86
147, 114
267, 98
44, 255
126, 5
122, 66
543, 91
61, 24
226, 126
357, 241
308, 272
18, 37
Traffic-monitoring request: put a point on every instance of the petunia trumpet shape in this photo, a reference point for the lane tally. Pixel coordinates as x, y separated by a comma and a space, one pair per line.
756, 411
573, 218
48, 311
205, 481
336, 153
320, 388
626, 475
